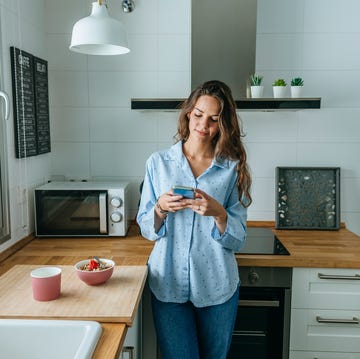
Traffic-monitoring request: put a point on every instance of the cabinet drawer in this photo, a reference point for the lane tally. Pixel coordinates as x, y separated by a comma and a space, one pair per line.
326, 288
323, 355
323, 330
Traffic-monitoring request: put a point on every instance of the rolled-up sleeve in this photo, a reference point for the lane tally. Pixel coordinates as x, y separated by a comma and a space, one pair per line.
235, 232
146, 213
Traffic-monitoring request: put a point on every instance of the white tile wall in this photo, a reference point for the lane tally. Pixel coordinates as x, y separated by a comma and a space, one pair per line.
22, 26
159, 66
96, 134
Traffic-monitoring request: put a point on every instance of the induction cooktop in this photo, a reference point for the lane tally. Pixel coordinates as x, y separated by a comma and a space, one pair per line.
262, 241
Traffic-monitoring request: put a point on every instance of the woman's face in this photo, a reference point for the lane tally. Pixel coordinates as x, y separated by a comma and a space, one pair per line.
204, 119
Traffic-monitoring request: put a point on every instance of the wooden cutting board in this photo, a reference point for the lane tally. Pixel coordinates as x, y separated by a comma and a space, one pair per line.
113, 301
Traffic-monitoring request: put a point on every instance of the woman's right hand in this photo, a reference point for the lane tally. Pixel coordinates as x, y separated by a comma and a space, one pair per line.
170, 202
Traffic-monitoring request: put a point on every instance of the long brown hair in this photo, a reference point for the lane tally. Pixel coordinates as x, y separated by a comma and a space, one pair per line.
227, 143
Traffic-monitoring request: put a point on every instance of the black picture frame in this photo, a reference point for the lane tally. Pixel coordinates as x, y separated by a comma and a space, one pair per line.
307, 198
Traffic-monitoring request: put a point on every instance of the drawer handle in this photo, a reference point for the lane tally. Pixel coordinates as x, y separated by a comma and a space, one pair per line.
259, 303
354, 320
339, 276
129, 350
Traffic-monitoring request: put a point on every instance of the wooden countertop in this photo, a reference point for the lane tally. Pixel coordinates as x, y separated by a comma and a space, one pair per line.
318, 249
309, 248
132, 250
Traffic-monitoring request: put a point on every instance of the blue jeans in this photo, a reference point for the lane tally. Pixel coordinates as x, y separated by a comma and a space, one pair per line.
186, 332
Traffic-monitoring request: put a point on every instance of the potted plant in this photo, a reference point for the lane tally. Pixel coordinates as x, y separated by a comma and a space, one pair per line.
279, 88
297, 84
255, 86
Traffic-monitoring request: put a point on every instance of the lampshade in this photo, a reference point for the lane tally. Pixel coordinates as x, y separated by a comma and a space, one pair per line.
99, 34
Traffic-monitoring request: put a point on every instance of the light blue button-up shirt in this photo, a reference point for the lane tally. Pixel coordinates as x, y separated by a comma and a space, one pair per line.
191, 259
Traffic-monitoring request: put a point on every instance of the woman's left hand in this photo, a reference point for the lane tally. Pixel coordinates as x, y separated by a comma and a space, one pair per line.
206, 205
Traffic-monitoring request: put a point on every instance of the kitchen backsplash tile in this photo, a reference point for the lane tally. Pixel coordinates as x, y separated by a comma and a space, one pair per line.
62, 15
70, 124
271, 17
122, 125
265, 156
170, 46
174, 22
288, 54
143, 20
173, 84
331, 45
68, 88
332, 154
335, 18
330, 124
115, 89
264, 126
167, 125
119, 159
71, 159
350, 199
264, 196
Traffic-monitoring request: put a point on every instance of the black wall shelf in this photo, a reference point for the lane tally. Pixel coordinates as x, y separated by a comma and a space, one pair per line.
245, 104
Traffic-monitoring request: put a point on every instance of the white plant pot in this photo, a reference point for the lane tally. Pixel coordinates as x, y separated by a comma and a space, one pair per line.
257, 91
279, 91
296, 91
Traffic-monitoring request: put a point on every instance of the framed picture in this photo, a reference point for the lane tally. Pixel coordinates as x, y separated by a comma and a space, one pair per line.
307, 198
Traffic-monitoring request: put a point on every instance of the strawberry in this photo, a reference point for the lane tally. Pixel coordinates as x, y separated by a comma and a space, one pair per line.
93, 264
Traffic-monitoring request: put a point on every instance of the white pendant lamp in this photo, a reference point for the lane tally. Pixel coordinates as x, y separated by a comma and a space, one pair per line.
99, 34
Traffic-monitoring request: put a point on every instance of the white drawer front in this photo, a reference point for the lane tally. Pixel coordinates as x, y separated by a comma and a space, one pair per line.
307, 333
323, 355
336, 289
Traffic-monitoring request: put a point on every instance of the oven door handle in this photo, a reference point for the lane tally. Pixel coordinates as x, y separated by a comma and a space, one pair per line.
249, 333
354, 320
259, 303
339, 276
102, 212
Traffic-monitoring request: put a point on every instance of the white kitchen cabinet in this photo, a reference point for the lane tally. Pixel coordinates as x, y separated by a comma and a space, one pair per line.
325, 314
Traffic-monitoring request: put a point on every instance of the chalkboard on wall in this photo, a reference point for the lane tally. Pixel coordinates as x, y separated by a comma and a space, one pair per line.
42, 105
31, 104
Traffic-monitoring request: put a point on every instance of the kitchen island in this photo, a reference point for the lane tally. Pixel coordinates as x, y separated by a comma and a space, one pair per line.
312, 249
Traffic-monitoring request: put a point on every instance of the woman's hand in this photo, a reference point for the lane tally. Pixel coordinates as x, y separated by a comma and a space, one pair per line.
170, 203
206, 205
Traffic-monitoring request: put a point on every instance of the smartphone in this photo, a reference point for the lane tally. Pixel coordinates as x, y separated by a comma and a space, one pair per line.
187, 192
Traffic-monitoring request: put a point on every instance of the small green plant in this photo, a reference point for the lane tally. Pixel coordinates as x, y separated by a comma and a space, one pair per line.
279, 82
297, 81
256, 80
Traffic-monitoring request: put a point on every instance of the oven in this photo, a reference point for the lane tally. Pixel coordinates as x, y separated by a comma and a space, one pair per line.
262, 326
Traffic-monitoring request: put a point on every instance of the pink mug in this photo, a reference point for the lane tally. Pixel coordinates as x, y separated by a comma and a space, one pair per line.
46, 283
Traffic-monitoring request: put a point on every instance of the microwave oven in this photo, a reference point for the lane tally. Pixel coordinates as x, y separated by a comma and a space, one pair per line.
86, 209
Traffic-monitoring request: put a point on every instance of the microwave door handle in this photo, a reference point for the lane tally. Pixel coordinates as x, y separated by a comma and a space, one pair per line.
102, 212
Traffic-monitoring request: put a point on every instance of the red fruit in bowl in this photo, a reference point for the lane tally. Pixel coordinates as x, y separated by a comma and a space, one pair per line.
93, 264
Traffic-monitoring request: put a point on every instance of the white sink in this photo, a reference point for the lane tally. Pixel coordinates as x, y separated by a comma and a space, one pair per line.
48, 339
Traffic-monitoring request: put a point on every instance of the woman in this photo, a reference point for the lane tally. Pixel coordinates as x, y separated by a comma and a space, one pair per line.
193, 273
